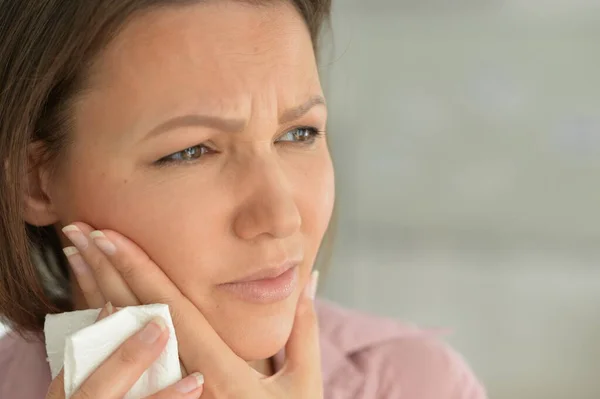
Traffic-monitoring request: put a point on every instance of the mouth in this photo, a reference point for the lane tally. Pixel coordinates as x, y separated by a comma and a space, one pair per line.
266, 286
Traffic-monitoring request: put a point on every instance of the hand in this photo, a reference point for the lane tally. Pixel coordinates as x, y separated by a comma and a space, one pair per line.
99, 286
117, 375
116, 261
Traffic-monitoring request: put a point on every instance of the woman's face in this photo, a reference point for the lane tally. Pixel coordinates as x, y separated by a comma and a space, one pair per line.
196, 140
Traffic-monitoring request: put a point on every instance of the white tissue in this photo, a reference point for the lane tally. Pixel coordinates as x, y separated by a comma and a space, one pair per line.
74, 341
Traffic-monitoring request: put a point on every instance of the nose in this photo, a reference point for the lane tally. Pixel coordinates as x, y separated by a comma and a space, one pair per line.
269, 208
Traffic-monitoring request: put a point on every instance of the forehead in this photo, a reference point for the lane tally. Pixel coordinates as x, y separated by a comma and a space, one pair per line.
209, 53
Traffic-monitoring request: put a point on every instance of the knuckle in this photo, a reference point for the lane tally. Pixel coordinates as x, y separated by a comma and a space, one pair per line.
129, 265
128, 356
101, 268
128, 270
97, 262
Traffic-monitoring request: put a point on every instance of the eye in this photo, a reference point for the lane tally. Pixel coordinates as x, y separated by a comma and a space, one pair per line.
305, 135
190, 154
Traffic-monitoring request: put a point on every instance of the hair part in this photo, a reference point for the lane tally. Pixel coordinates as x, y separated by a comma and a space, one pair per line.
46, 50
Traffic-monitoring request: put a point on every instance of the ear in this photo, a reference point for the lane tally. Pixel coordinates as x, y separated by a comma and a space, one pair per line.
38, 207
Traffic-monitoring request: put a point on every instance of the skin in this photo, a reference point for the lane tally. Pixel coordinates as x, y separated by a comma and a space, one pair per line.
257, 198
125, 366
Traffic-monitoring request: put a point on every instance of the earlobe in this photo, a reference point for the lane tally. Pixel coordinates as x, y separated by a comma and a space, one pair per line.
38, 209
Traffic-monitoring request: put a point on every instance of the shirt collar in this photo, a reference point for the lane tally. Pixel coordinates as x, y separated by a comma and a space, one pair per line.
343, 333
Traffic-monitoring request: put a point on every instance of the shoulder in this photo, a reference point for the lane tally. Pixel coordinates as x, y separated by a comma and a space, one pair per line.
392, 359
24, 372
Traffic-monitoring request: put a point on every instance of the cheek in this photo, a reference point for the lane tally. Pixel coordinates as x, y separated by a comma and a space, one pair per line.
170, 220
317, 197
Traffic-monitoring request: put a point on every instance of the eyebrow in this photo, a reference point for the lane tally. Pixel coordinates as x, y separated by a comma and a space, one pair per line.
232, 125
295, 113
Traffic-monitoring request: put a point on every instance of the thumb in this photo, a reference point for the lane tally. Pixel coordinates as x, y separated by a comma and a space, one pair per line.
303, 355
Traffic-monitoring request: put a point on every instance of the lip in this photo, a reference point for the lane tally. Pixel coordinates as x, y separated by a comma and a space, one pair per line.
266, 286
267, 273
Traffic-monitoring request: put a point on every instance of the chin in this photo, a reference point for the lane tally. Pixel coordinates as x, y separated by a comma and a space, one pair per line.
255, 332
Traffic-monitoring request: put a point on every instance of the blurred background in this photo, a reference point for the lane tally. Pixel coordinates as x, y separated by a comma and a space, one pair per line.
466, 138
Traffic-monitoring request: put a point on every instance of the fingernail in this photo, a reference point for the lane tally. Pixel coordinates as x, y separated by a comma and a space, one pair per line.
314, 284
76, 236
153, 331
311, 288
78, 265
103, 242
70, 251
106, 311
190, 383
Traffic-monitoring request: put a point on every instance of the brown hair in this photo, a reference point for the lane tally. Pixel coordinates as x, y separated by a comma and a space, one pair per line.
46, 47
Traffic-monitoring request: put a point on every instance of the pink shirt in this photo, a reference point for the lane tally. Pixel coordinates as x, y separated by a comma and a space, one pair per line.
363, 357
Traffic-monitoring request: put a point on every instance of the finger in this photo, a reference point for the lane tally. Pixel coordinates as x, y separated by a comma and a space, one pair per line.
112, 286
106, 311
201, 347
115, 377
56, 390
303, 355
188, 388
85, 278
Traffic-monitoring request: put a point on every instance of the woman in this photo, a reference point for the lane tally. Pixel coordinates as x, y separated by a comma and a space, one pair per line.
176, 150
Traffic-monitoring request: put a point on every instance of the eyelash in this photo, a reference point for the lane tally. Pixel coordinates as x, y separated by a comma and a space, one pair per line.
178, 157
